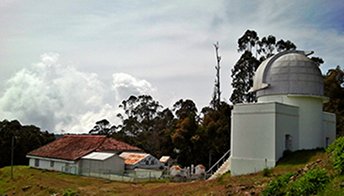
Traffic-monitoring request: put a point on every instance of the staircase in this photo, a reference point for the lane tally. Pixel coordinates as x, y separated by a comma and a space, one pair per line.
220, 167
223, 169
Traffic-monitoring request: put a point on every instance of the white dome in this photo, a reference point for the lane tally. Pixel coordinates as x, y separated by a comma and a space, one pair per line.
289, 72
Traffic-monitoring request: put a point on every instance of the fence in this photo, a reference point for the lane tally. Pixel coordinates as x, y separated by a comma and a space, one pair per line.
127, 176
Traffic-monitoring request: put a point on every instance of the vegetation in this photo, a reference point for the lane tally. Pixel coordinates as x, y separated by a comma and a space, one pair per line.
278, 186
312, 182
336, 151
334, 89
316, 178
25, 139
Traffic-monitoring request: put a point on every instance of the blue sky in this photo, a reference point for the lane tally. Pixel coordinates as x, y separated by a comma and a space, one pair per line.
66, 64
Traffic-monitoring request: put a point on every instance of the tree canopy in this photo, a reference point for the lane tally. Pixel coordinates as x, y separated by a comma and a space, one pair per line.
26, 139
334, 89
254, 50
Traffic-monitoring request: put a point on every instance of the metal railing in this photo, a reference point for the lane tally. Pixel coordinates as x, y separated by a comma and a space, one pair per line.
218, 164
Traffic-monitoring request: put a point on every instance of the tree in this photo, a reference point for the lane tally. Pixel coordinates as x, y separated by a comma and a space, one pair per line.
334, 89
26, 139
103, 127
139, 114
185, 136
242, 78
244, 68
138, 121
159, 140
215, 124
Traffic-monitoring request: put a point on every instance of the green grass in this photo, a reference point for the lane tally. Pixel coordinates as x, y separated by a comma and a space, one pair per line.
300, 157
336, 187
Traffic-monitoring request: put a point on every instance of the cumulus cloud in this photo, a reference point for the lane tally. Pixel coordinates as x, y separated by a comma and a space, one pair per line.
125, 85
58, 97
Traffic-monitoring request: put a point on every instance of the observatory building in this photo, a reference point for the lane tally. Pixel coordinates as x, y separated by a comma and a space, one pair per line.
288, 115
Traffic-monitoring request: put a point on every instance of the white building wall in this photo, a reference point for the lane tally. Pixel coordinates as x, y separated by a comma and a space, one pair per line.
329, 128
57, 165
112, 165
287, 123
253, 138
310, 117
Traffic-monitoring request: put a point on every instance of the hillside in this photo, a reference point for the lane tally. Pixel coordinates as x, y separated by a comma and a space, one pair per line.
28, 181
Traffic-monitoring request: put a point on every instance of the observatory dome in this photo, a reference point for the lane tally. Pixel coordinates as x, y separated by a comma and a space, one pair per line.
289, 72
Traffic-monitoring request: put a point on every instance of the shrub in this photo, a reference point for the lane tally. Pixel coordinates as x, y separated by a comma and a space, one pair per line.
310, 183
267, 172
277, 186
336, 151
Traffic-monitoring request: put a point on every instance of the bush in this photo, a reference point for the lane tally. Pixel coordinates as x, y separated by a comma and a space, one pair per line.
310, 183
278, 186
267, 172
336, 151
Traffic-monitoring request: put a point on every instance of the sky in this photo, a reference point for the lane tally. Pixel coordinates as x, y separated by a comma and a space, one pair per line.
67, 64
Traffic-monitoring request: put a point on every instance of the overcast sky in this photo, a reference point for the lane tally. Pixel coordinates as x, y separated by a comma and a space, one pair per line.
66, 64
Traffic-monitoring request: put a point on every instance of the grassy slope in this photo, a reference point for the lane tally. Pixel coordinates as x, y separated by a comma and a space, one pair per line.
28, 181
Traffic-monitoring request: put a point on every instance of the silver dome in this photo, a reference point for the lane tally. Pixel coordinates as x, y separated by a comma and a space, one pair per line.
289, 72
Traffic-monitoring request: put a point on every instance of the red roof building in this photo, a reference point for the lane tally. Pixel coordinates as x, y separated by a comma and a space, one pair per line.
73, 147
90, 155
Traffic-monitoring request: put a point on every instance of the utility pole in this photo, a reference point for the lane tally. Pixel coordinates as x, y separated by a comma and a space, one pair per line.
217, 91
12, 154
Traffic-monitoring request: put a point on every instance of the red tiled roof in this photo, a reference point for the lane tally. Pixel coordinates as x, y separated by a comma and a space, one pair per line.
73, 147
111, 144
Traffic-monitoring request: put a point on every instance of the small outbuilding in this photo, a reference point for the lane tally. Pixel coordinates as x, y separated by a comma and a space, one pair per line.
167, 161
140, 160
101, 163
199, 170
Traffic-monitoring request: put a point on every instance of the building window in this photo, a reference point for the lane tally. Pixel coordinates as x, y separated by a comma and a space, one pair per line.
52, 163
36, 162
288, 142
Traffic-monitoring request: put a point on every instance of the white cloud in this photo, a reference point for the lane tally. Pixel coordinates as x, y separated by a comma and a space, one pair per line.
58, 97
126, 85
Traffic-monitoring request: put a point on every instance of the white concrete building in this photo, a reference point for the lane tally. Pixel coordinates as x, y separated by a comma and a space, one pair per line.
287, 116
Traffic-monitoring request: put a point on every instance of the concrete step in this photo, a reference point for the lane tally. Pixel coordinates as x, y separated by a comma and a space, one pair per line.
223, 169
